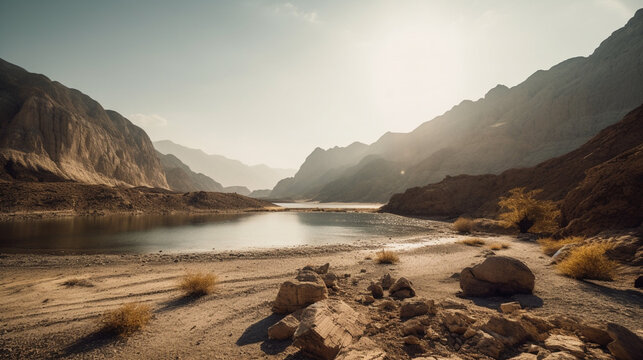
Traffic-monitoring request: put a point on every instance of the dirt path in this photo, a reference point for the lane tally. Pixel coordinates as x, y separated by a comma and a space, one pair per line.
41, 318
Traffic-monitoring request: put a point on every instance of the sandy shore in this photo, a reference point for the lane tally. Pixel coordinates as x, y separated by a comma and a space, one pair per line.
42, 318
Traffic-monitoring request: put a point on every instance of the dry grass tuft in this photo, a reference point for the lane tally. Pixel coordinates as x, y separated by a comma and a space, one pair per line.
550, 246
127, 319
522, 210
78, 282
472, 242
588, 262
386, 257
498, 246
197, 284
463, 225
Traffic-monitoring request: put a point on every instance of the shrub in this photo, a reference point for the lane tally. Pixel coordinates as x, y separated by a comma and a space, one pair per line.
588, 262
463, 225
550, 246
523, 211
197, 284
386, 257
498, 246
472, 242
78, 282
127, 319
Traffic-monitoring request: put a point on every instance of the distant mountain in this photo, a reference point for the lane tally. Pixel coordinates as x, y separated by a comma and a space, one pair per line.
241, 190
260, 194
229, 172
181, 178
49, 132
598, 184
550, 113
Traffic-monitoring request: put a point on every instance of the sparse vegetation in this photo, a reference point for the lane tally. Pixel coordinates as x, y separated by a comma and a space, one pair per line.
588, 262
197, 284
523, 211
463, 225
127, 319
386, 257
498, 246
472, 242
550, 245
78, 282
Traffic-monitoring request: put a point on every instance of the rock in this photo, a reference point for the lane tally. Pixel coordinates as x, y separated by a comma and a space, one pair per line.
367, 300
536, 327
561, 355
321, 270
362, 271
326, 327
488, 345
402, 289
388, 305
508, 308
565, 322
598, 354
562, 253
295, 295
416, 307
638, 283
509, 332
596, 334
412, 340
364, 349
626, 345
497, 275
413, 327
450, 304
567, 343
456, 321
376, 290
387, 281
284, 328
331, 280
524, 356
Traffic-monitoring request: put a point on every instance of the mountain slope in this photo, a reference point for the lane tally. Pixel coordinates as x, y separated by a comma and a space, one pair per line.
229, 172
598, 184
49, 132
550, 113
181, 178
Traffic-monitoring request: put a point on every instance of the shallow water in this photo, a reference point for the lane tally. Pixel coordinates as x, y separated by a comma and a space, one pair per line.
173, 233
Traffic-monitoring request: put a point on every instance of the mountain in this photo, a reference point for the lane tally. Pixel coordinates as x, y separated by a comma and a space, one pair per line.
181, 178
551, 113
229, 172
598, 185
49, 132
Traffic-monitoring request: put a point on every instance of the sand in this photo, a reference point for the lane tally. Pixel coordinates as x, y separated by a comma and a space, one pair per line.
42, 318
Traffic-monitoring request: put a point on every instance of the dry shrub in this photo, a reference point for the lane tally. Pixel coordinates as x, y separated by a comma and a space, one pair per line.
386, 257
197, 284
550, 246
463, 225
523, 211
78, 282
472, 242
588, 262
498, 246
127, 319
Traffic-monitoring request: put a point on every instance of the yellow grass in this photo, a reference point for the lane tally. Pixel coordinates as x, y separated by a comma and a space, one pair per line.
550, 246
127, 319
386, 257
197, 284
523, 211
472, 242
463, 225
588, 262
498, 246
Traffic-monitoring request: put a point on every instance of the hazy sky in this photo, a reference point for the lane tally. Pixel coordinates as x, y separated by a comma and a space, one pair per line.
268, 81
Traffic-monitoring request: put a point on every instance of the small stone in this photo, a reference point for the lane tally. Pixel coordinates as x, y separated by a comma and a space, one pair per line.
376, 290
413, 327
362, 270
412, 340
510, 307
415, 307
402, 289
284, 329
566, 343
387, 281
367, 300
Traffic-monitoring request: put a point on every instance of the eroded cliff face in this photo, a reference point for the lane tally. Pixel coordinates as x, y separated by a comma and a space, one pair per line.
49, 132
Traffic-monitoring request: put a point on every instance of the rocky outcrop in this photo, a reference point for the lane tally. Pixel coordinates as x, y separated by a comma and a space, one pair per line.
497, 275
293, 295
49, 132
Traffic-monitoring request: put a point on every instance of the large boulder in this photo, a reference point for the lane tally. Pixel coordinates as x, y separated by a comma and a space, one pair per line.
402, 289
326, 327
626, 345
497, 275
306, 289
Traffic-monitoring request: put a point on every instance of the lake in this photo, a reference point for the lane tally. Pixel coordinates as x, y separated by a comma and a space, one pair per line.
194, 233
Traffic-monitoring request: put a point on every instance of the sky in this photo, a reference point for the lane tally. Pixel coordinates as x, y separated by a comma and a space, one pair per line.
268, 81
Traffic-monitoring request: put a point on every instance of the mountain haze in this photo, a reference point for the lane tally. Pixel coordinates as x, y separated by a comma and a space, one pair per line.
552, 112
228, 172
181, 178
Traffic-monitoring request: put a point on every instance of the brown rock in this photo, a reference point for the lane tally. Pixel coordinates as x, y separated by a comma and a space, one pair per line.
402, 289
488, 345
596, 334
376, 290
560, 355
331, 280
364, 349
326, 327
387, 281
626, 345
416, 307
497, 275
509, 332
456, 321
321, 270
284, 328
524, 356
413, 327
508, 308
295, 295
567, 343
412, 340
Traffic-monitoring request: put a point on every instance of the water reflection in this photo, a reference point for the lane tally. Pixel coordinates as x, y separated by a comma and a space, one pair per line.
199, 233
